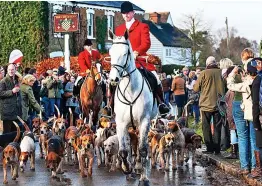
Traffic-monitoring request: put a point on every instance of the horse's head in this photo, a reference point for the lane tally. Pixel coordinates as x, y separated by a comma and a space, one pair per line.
121, 56
96, 71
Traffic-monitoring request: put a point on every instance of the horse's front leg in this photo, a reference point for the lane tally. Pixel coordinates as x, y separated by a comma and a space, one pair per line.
124, 148
143, 149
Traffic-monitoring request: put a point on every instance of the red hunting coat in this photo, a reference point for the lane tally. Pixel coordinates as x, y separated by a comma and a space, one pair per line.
85, 59
140, 41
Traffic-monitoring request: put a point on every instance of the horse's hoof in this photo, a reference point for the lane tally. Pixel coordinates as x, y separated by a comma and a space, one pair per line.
174, 168
144, 183
5, 182
14, 178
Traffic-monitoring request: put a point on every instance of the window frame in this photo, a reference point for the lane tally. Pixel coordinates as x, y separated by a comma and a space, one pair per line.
109, 15
88, 13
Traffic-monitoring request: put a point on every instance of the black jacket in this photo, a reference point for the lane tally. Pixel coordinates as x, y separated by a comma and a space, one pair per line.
256, 110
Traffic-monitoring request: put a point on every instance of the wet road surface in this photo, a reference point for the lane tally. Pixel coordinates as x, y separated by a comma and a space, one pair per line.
202, 174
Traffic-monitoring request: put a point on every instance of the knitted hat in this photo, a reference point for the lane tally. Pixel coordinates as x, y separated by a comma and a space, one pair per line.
16, 57
211, 61
88, 42
126, 7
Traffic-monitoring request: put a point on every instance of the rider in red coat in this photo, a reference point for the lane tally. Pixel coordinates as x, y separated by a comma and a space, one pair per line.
86, 57
140, 42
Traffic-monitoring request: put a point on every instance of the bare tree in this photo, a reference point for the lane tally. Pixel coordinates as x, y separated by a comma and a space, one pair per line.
197, 31
236, 45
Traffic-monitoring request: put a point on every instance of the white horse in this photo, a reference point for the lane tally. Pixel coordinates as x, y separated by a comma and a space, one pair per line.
134, 103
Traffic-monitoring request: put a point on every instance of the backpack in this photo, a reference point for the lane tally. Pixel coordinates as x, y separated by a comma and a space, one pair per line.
221, 105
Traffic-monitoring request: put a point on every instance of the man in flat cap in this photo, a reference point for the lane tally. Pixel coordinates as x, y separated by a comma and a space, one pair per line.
86, 57
140, 41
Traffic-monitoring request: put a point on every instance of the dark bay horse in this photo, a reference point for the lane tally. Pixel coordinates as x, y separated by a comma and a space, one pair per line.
91, 94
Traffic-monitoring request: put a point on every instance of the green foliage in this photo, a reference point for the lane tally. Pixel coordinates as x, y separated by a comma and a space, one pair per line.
24, 26
101, 32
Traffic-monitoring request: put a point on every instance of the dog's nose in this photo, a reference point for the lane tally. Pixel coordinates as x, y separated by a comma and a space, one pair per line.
8, 158
88, 145
41, 132
107, 151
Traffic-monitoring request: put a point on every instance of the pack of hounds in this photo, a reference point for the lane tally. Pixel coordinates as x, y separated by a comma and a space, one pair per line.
78, 144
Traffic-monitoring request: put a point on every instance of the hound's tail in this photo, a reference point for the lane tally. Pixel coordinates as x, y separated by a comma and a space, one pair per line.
25, 125
18, 132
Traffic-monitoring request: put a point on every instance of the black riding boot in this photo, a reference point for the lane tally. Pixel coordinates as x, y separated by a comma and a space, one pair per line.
163, 108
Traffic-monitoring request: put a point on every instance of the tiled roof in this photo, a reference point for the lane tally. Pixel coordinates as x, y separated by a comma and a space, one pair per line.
169, 35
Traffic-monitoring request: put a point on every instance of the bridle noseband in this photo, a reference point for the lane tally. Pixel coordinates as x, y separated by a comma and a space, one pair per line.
125, 67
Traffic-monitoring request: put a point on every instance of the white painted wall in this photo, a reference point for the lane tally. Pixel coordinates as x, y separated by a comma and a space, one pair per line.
176, 55
156, 47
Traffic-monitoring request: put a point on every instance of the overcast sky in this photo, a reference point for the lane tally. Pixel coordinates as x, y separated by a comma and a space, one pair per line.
244, 15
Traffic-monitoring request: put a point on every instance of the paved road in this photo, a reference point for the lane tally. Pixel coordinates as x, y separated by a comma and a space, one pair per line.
187, 175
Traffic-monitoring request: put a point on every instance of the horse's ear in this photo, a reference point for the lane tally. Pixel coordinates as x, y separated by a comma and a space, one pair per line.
111, 34
126, 35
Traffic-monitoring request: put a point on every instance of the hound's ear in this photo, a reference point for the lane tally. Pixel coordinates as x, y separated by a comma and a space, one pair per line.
126, 35
111, 34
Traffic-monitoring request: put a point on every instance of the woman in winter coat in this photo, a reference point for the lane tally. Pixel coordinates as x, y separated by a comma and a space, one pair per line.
242, 113
178, 87
28, 98
71, 101
195, 106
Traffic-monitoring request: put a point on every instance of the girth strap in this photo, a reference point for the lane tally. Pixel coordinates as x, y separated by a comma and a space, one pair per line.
129, 102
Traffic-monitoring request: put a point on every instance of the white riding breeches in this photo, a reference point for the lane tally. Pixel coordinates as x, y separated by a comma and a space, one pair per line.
157, 78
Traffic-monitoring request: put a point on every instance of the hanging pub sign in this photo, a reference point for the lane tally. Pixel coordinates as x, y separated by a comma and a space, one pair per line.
66, 23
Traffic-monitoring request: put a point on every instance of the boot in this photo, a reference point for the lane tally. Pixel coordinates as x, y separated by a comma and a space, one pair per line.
257, 172
233, 154
163, 108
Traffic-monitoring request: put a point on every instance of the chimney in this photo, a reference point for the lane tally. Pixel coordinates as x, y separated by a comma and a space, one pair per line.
155, 17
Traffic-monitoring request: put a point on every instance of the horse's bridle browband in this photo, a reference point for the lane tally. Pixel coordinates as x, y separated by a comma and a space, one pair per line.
125, 65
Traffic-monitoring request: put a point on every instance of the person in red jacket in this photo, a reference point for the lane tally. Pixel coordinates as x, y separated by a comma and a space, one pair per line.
85, 59
140, 42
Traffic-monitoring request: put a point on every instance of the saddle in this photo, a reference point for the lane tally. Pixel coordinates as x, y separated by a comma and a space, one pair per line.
151, 79
77, 88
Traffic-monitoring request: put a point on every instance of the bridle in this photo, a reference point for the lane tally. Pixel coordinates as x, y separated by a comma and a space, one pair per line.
125, 67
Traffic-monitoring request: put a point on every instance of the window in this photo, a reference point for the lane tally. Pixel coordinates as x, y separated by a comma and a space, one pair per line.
168, 52
90, 23
183, 53
110, 21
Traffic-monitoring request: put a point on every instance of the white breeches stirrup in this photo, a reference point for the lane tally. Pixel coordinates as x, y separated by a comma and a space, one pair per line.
157, 78
77, 79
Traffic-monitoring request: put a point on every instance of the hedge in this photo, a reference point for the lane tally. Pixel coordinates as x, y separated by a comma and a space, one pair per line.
24, 26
